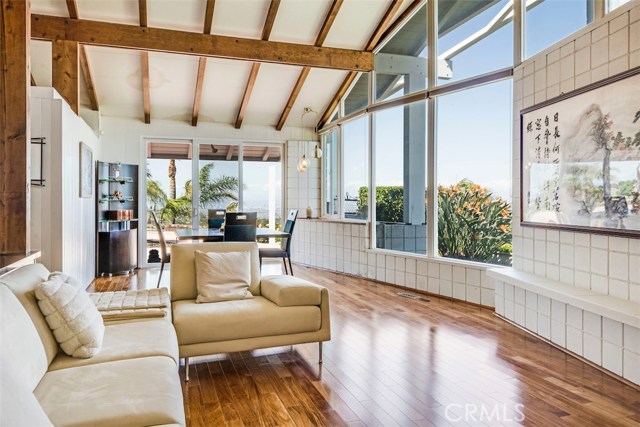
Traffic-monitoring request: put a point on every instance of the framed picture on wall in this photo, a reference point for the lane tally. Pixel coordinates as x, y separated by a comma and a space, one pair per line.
86, 171
580, 159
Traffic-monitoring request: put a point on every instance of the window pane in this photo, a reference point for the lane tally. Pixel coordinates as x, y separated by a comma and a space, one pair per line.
219, 185
262, 183
354, 143
549, 21
330, 142
400, 178
614, 4
474, 173
358, 97
473, 39
401, 64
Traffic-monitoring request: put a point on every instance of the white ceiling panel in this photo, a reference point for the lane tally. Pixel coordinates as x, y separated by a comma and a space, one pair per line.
270, 93
222, 90
50, 7
172, 83
240, 18
41, 62
299, 21
319, 89
117, 77
185, 15
120, 11
355, 23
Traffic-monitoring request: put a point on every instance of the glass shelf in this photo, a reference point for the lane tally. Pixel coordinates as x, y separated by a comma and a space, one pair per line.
121, 180
113, 199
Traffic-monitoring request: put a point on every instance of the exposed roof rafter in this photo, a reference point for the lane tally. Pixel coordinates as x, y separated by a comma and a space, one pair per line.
142, 12
88, 79
266, 32
72, 7
202, 64
146, 99
208, 16
322, 35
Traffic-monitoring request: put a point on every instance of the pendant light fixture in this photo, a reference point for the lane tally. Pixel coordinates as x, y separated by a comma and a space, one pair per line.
303, 164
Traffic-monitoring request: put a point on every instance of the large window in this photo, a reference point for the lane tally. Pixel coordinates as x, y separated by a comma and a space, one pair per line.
400, 178
401, 64
355, 140
331, 190
473, 39
549, 21
474, 173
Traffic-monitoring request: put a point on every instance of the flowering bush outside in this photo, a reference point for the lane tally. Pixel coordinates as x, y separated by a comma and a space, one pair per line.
473, 224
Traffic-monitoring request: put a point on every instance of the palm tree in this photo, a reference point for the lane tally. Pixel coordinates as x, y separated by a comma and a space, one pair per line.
172, 179
156, 197
214, 190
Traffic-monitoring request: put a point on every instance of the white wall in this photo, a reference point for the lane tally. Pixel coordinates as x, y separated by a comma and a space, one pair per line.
608, 265
63, 223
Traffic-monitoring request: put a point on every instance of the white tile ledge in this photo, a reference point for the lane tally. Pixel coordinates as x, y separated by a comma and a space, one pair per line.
624, 311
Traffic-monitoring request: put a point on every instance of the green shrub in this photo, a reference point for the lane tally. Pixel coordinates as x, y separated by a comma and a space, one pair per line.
473, 225
389, 203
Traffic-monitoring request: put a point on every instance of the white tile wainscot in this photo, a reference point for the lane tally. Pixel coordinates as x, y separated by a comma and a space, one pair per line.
600, 328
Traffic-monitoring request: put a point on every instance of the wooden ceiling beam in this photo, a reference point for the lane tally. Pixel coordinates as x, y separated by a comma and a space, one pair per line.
183, 42
230, 152
64, 72
142, 12
146, 98
208, 16
384, 24
72, 7
265, 155
253, 75
88, 79
322, 36
202, 64
197, 99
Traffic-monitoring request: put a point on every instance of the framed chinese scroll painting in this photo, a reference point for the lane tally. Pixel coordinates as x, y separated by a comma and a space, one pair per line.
580, 159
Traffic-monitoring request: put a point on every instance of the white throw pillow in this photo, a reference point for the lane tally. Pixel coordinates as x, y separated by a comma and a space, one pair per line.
75, 321
223, 276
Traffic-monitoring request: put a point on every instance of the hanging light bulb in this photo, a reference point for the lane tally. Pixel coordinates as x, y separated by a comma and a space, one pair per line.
304, 162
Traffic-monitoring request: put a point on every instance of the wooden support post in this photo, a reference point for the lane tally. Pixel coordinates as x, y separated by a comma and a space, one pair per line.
65, 72
15, 202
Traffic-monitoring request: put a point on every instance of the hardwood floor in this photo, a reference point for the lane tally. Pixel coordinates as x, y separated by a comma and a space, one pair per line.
393, 361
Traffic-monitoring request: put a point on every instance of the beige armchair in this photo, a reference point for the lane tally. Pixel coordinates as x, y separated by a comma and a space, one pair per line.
285, 310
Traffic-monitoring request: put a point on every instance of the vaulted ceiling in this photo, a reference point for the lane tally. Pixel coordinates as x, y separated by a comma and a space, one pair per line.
157, 85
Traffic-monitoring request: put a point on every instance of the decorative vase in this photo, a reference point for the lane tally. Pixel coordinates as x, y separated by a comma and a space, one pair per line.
309, 212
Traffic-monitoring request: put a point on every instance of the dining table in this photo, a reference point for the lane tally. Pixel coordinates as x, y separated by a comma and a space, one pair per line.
218, 234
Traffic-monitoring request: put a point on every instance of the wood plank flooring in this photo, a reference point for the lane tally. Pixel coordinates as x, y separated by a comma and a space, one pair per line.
398, 362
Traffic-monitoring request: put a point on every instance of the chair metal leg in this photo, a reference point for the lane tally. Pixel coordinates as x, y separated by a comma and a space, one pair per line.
290, 266
320, 353
284, 261
160, 277
186, 368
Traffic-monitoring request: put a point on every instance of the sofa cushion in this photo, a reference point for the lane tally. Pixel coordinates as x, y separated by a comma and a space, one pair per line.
18, 406
247, 318
128, 341
74, 319
23, 282
290, 291
222, 276
135, 392
183, 269
19, 341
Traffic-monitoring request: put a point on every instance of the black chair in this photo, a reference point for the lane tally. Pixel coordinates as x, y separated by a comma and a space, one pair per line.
284, 251
216, 218
240, 226
165, 257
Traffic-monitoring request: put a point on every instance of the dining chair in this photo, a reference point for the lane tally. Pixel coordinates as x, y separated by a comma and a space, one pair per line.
216, 218
284, 251
165, 257
240, 226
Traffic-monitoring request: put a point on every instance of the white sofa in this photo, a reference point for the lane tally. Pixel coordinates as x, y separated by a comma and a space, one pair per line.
285, 310
132, 381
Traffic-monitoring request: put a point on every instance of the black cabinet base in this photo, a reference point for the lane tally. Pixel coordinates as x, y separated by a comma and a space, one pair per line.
117, 252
